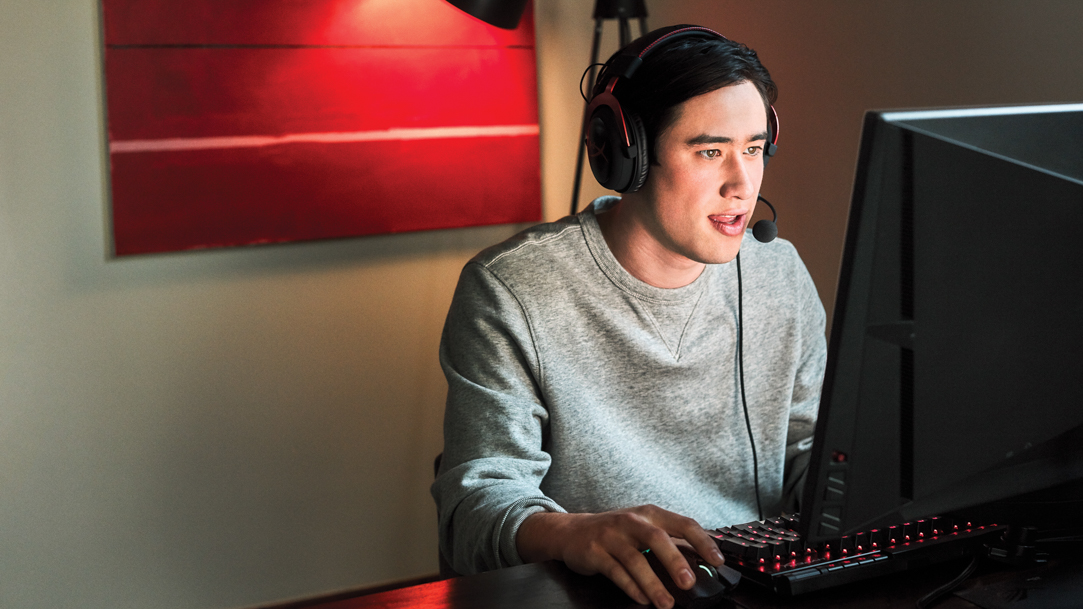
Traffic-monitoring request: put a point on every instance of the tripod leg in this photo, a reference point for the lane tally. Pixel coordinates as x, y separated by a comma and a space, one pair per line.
583, 128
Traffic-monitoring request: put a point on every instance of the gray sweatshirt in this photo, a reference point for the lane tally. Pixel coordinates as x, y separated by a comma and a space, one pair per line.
573, 386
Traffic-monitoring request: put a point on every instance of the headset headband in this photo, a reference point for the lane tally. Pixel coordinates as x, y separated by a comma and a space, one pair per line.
626, 61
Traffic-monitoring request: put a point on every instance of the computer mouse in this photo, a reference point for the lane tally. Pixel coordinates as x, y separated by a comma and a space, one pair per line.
712, 583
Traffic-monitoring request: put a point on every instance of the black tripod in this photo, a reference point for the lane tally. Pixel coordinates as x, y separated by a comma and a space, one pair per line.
623, 10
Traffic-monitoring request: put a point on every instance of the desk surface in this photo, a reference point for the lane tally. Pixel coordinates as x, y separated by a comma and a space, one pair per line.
551, 585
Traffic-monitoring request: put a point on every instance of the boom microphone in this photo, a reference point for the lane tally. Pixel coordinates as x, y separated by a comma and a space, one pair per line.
765, 231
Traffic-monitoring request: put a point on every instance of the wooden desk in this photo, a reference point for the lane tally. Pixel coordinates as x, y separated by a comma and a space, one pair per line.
551, 585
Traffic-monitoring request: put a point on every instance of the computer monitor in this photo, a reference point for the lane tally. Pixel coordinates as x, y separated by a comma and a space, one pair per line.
955, 363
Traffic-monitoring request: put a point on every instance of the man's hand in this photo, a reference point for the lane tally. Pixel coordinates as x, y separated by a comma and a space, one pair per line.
612, 543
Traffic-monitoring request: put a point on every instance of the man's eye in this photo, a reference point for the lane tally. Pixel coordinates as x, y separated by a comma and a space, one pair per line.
753, 150
710, 154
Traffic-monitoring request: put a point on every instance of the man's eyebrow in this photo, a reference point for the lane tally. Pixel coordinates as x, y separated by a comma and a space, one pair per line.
704, 138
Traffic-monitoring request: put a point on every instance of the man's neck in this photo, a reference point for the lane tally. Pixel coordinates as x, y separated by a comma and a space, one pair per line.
640, 253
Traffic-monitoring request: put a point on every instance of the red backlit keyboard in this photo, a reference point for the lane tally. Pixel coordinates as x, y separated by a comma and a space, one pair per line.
772, 553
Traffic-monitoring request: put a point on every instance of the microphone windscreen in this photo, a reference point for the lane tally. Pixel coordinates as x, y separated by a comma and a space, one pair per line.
765, 231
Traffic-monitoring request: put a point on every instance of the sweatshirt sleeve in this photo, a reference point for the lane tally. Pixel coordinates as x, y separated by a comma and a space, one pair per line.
805, 403
495, 424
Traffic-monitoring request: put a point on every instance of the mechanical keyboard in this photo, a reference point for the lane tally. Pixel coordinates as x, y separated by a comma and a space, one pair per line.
771, 553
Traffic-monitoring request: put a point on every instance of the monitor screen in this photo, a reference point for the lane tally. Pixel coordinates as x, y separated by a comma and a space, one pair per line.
955, 362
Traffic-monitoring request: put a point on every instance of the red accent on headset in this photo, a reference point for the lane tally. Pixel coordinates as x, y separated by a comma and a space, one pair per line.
606, 98
620, 111
774, 126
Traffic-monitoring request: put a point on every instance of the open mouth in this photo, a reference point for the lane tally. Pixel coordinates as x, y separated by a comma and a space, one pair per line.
729, 224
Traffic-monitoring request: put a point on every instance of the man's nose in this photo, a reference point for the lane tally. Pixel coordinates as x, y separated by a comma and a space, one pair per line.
738, 180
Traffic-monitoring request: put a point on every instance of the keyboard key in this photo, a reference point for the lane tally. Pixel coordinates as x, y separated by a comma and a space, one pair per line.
757, 551
877, 538
847, 545
732, 546
861, 542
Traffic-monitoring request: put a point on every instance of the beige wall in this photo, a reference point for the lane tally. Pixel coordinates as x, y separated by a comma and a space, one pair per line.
228, 428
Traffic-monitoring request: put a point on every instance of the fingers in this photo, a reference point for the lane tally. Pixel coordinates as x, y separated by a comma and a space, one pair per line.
616, 572
690, 530
705, 546
674, 562
648, 581
628, 533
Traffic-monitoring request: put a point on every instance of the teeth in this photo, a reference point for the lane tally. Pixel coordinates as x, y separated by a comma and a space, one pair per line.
726, 219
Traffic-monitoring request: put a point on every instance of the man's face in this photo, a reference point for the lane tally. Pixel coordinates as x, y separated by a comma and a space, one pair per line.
702, 193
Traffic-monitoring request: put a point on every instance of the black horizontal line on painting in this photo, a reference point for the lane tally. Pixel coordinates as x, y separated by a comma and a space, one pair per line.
317, 46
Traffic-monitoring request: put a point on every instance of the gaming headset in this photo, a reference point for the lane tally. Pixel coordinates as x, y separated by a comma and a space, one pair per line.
616, 140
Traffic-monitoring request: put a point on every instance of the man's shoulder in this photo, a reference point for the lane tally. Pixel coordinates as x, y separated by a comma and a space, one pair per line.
538, 267
534, 249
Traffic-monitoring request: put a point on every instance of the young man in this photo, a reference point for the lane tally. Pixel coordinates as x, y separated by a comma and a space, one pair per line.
594, 385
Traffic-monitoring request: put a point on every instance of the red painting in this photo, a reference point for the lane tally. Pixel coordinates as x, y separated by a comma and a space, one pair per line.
235, 122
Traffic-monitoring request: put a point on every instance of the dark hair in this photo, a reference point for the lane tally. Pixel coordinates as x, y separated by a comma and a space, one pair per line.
685, 69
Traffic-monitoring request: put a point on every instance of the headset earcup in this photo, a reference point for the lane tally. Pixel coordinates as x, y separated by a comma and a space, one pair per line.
771, 148
608, 157
639, 142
